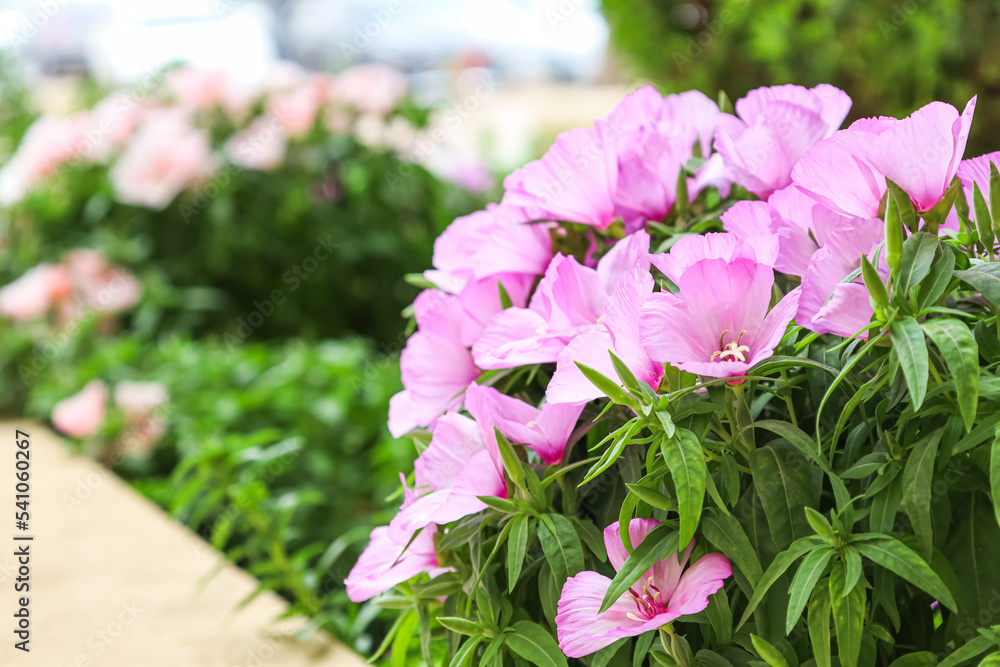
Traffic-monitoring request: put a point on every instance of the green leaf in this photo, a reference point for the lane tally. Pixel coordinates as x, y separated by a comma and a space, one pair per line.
401, 644
777, 568
686, 462
561, 546
918, 476
608, 387
511, 462
639, 390
653, 498
851, 558
896, 557
848, 617
934, 286
918, 659
985, 279
782, 478
659, 543
975, 647
505, 300
533, 643
767, 652
908, 342
604, 656
819, 625
971, 550
727, 535
462, 626
810, 571
819, 524
464, 655
984, 224
517, 546
903, 204
918, 255
995, 477
961, 355
876, 288
499, 504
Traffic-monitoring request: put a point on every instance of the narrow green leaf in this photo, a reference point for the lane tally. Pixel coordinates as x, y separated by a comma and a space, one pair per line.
517, 546
609, 387
819, 624
727, 535
784, 484
896, 557
462, 626
464, 655
401, 644
918, 476
534, 643
819, 524
995, 477
918, 255
604, 656
511, 462
918, 659
961, 355
686, 462
934, 286
810, 571
851, 559
985, 279
995, 198
505, 300
778, 566
975, 647
984, 223
908, 342
767, 652
561, 546
653, 498
658, 544
848, 617
876, 288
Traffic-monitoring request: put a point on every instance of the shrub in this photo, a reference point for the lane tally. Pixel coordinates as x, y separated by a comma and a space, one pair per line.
746, 415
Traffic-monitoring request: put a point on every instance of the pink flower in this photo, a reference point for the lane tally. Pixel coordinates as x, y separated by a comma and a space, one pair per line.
486, 243
436, 364
198, 87
977, 171
371, 88
921, 153
828, 304
570, 183
838, 173
114, 121
166, 156
260, 147
393, 556
138, 400
774, 128
35, 293
666, 592
685, 112
99, 285
791, 219
461, 463
619, 333
569, 300
545, 430
689, 250
719, 324
82, 414
48, 144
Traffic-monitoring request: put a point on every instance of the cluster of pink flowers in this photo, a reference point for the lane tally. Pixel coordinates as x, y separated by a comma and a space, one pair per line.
158, 142
811, 197
83, 285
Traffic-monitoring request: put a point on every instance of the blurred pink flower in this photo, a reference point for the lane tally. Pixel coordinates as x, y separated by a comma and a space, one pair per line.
48, 144
138, 400
166, 156
974, 171
773, 128
668, 591
370, 88
82, 414
35, 293
260, 147
97, 284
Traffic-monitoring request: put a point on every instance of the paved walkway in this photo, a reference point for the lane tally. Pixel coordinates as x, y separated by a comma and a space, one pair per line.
115, 582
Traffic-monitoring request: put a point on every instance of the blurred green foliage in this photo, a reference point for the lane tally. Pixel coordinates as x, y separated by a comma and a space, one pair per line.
277, 454
890, 56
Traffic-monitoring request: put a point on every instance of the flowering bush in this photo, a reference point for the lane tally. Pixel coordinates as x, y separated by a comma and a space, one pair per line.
241, 207
676, 406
